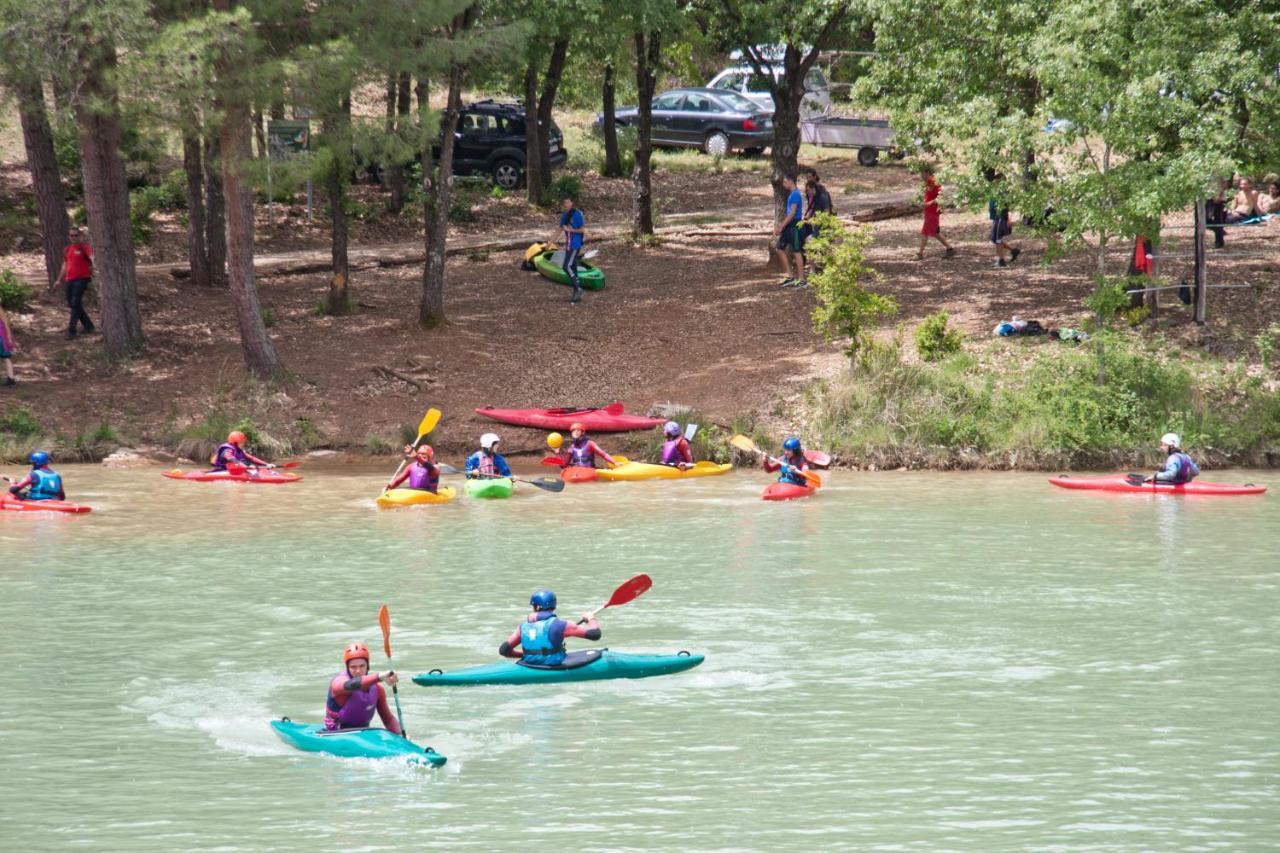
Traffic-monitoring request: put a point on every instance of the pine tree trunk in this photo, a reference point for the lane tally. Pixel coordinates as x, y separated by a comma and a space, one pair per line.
235, 141
260, 133
215, 219
648, 52
788, 95
612, 159
51, 209
339, 131
532, 143
431, 311
193, 165
546, 103
395, 169
106, 197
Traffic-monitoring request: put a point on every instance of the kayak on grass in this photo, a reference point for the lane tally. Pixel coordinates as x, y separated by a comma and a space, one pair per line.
550, 265
252, 475
593, 420
1120, 483
632, 471
490, 487
9, 502
592, 665
354, 743
413, 497
786, 491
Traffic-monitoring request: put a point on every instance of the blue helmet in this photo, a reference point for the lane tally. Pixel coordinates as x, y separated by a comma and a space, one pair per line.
791, 445
671, 428
39, 459
543, 599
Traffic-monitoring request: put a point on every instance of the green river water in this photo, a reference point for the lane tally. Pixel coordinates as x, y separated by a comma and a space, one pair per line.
906, 661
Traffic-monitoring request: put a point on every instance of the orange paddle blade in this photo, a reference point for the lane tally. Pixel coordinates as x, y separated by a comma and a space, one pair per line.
814, 480
384, 620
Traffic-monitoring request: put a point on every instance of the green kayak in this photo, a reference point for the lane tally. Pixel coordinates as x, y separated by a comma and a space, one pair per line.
549, 264
354, 743
593, 665
490, 487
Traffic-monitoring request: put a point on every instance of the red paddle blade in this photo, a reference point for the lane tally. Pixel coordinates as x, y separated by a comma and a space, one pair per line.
614, 409
555, 461
630, 590
384, 620
290, 465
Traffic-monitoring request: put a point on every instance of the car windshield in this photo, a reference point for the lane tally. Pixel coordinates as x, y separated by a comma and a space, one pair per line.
738, 102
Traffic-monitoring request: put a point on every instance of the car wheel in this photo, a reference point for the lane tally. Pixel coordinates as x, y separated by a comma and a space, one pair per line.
716, 144
868, 156
508, 173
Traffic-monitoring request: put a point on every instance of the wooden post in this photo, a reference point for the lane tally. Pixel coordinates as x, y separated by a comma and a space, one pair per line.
1153, 298
1200, 290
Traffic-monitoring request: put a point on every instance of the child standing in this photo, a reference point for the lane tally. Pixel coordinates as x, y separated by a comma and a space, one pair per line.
932, 216
7, 348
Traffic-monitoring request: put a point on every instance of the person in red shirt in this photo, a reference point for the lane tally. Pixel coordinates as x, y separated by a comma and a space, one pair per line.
77, 272
932, 216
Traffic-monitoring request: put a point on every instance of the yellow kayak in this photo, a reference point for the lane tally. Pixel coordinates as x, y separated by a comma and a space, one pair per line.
411, 497
630, 471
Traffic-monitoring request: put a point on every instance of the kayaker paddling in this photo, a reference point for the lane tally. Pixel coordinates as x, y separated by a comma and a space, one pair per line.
232, 451
355, 695
790, 464
539, 640
487, 463
675, 447
1179, 467
41, 484
423, 474
581, 452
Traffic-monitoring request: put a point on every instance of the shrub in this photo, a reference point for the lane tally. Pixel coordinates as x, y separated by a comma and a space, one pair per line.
845, 308
378, 446
20, 423
566, 185
934, 341
15, 295
268, 316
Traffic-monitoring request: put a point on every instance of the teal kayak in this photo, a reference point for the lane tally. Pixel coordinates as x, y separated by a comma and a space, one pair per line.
354, 743
593, 665
490, 487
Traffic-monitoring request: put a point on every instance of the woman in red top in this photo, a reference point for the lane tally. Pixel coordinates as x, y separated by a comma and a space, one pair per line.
932, 217
77, 272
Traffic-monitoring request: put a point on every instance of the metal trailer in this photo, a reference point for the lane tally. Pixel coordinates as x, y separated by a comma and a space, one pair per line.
870, 136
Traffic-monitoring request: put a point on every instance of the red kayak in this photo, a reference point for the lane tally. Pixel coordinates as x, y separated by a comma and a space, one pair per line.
579, 474
1120, 483
612, 419
252, 475
786, 492
9, 502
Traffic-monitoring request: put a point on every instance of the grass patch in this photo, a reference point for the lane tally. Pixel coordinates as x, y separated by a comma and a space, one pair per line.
376, 445
15, 295
200, 440
20, 434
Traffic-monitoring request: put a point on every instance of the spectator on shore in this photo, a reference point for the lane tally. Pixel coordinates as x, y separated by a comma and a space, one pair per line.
932, 216
77, 273
787, 234
574, 227
1215, 212
817, 200
7, 348
1000, 231
1269, 201
1245, 204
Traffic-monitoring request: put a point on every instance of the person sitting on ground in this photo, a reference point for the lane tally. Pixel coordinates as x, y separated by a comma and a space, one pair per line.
42, 484
675, 447
1245, 204
581, 452
787, 234
539, 641
423, 474
1179, 468
487, 462
356, 693
932, 217
1269, 201
790, 464
232, 450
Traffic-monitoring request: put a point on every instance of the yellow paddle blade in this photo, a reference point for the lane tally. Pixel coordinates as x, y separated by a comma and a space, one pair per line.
706, 463
621, 460
813, 479
743, 443
429, 421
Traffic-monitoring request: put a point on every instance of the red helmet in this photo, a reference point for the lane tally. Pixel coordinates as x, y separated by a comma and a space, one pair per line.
235, 437
431, 454
353, 651
577, 426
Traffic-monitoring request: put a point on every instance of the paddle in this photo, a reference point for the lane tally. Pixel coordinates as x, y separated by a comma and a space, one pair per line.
547, 484
384, 620
629, 591
554, 461
428, 423
745, 444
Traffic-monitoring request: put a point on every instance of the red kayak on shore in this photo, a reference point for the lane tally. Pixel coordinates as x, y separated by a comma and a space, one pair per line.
1120, 483
786, 492
10, 503
252, 475
609, 419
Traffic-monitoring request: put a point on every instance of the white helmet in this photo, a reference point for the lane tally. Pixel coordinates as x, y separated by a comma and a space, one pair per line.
488, 440
1171, 439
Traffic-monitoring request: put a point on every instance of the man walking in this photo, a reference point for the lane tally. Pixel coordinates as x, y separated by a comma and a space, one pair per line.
77, 273
573, 225
787, 233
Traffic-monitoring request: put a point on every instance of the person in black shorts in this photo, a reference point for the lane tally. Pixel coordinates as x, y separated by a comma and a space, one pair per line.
787, 234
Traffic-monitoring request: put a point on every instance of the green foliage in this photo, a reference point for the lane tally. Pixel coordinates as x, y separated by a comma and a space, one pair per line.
145, 202
1265, 343
20, 423
934, 341
268, 316
201, 439
846, 310
566, 185
378, 446
15, 294
468, 194
1109, 297
309, 435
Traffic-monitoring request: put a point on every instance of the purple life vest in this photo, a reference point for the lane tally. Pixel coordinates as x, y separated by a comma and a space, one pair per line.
486, 466
581, 455
356, 712
423, 477
671, 454
227, 452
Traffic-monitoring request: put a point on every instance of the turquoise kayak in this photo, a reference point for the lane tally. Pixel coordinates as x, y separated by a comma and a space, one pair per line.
593, 665
490, 487
354, 743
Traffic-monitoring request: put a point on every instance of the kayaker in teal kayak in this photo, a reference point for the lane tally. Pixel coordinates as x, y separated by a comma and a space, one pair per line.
487, 462
581, 452
355, 695
790, 464
539, 640
42, 484
232, 450
423, 474
1179, 467
675, 448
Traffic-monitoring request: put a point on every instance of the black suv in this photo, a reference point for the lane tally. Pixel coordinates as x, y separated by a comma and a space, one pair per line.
490, 141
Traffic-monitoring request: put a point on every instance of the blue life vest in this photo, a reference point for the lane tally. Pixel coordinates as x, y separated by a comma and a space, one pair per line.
47, 485
794, 476
543, 641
